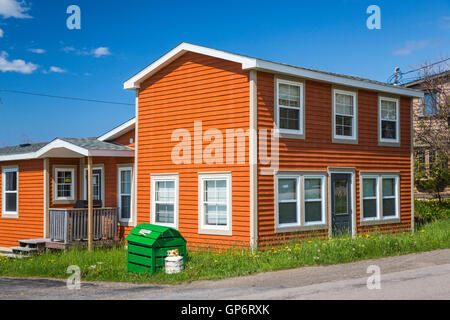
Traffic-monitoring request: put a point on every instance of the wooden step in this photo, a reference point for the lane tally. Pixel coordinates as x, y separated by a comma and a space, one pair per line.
38, 244
20, 250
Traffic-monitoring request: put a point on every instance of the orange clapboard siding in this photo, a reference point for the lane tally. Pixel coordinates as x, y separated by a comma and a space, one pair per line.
30, 223
125, 139
317, 152
193, 88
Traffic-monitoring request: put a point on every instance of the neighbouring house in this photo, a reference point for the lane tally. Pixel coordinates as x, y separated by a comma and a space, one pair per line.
436, 90
42, 182
237, 151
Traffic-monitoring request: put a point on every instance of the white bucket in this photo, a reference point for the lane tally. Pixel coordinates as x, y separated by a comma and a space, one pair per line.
174, 264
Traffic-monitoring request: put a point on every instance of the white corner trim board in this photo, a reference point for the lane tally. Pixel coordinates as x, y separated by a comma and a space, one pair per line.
249, 63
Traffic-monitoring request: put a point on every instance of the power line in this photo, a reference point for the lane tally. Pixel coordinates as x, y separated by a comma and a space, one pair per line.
427, 66
65, 97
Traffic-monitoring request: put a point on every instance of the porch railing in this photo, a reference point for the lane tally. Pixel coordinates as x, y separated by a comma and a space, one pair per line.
71, 225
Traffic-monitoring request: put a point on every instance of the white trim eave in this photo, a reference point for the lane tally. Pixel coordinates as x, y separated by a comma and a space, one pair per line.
120, 130
249, 63
134, 82
315, 75
13, 157
61, 144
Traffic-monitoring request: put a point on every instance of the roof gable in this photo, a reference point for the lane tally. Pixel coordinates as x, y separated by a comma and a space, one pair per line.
250, 63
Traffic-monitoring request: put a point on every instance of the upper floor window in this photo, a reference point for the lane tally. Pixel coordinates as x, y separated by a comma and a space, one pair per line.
389, 124
344, 110
430, 103
65, 184
9, 191
290, 106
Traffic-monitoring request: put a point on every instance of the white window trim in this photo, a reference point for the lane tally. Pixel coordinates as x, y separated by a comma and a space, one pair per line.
397, 122
119, 194
208, 229
298, 200
353, 137
301, 108
165, 177
72, 197
322, 188
395, 197
102, 178
10, 214
377, 197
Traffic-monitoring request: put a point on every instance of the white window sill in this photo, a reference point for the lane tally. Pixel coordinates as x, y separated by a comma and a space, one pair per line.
10, 215
298, 228
212, 231
380, 221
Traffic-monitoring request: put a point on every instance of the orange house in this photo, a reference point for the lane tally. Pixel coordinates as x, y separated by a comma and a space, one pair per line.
41, 185
234, 150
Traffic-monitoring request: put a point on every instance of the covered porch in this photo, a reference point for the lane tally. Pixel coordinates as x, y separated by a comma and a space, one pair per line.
88, 190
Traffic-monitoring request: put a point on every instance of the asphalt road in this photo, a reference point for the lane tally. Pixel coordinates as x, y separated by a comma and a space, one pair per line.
415, 276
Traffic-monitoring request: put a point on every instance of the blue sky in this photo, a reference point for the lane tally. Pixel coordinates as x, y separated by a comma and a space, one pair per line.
38, 53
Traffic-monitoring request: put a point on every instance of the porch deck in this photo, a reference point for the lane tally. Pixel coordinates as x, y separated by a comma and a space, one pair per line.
71, 225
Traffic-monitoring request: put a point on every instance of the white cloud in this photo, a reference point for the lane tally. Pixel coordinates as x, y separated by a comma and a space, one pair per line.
38, 51
17, 65
101, 51
1, 33
57, 70
411, 46
97, 52
14, 9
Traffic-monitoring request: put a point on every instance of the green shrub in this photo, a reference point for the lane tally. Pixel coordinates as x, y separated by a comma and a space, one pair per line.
430, 210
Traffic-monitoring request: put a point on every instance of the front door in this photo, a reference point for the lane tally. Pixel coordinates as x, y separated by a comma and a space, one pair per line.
341, 204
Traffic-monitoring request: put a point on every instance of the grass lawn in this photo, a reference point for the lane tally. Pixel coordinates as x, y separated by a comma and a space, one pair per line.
110, 264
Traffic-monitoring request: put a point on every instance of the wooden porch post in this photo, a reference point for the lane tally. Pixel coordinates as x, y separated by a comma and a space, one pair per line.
90, 204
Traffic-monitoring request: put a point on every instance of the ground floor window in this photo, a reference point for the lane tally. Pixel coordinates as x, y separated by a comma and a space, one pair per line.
125, 191
65, 183
215, 202
10, 190
380, 197
300, 200
165, 200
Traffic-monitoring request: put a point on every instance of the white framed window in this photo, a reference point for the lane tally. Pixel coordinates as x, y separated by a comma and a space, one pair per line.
344, 115
380, 197
10, 195
389, 194
125, 187
289, 101
97, 183
64, 184
313, 200
288, 201
370, 198
164, 198
215, 203
389, 120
